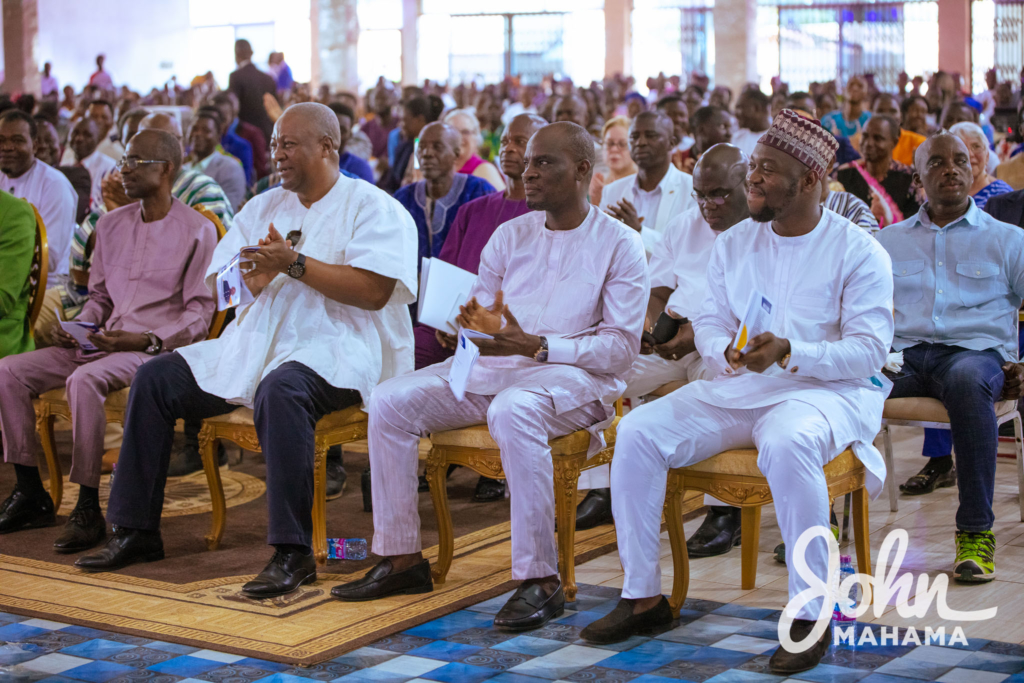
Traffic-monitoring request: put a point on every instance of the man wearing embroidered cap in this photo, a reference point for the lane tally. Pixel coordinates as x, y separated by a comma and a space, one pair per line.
801, 393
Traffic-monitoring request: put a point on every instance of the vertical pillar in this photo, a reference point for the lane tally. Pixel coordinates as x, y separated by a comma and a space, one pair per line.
618, 37
21, 34
335, 41
410, 42
955, 38
735, 43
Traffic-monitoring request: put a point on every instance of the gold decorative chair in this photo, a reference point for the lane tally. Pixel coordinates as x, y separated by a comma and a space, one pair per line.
53, 404
335, 429
474, 448
734, 478
930, 413
38, 272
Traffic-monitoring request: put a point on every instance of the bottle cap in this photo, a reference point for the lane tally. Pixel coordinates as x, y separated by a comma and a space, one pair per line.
844, 558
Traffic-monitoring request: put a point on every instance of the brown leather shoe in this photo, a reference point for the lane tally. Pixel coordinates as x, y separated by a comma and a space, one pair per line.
786, 663
620, 624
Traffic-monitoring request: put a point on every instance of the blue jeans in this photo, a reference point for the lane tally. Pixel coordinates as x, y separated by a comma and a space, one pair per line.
939, 442
968, 383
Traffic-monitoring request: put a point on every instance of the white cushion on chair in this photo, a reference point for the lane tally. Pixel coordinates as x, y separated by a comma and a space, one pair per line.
920, 409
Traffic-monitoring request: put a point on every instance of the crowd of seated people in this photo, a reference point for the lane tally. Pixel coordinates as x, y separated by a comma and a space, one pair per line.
883, 222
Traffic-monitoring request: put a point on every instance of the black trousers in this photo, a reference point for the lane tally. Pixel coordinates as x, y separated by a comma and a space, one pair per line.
288, 403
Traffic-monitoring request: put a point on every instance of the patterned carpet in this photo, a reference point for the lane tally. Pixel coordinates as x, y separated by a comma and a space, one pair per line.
712, 642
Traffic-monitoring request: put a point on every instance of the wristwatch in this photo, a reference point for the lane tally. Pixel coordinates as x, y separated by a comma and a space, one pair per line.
298, 269
542, 353
155, 344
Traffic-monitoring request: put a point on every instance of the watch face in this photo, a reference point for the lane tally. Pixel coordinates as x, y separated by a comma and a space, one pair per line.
297, 270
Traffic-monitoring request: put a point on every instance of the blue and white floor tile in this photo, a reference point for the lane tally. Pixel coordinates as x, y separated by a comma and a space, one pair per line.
712, 643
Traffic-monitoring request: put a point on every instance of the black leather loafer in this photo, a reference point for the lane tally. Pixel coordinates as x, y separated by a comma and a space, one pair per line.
621, 624
530, 608
785, 663
336, 477
489, 490
284, 574
718, 533
927, 480
382, 581
127, 546
21, 511
595, 510
84, 530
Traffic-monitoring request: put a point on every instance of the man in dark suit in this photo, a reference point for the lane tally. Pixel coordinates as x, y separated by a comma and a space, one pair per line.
249, 84
1008, 208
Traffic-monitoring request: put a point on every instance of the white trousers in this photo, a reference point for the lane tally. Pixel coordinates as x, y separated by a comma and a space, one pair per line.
520, 420
647, 374
794, 442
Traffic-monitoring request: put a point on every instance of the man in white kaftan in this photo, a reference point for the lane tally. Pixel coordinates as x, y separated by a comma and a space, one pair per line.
574, 285
678, 269
329, 321
800, 393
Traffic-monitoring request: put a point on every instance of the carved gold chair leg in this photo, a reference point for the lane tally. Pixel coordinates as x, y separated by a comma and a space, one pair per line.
750, 531
861, 538
437, 471
677, 539
44, 426
320, 501
207, 447
567, 476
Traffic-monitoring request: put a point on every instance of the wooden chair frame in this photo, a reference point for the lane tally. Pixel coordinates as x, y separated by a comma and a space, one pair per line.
487, 462
890, 458
53, 404
40, 256
327, 434
750, 493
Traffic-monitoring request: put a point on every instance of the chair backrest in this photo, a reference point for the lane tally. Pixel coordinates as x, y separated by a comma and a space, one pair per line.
39, 271
217, 324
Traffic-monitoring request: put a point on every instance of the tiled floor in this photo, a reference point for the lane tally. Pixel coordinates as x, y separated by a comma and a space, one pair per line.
713, 642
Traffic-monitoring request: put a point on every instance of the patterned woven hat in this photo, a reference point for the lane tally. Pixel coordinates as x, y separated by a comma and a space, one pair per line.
806, 140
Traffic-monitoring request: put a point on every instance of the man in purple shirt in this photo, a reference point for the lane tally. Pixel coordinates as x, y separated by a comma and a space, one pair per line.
147, 296
474, 224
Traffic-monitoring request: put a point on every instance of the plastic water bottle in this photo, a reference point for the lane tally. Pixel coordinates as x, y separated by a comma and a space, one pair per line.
346, 549
850, 600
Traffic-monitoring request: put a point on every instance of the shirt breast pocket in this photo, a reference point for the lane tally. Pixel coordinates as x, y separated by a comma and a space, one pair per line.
908, 281
978, 282
572, 304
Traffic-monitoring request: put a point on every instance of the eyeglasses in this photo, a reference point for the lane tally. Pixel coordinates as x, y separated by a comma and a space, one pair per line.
717, 198
132, 163
617, 144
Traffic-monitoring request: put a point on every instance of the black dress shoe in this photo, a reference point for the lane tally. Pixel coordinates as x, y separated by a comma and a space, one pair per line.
127, 546
620, 624
286, 571
336, 478
595, 510
530, 608
489, 490
718, 534
21, 511
185, 460
83, 531
382, 581
785, 663
927, 480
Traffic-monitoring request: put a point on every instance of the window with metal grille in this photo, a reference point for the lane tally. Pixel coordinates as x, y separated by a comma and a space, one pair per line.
997, 41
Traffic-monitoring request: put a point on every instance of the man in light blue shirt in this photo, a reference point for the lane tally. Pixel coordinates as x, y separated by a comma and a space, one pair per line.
958, 283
